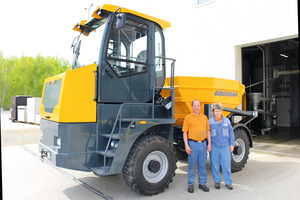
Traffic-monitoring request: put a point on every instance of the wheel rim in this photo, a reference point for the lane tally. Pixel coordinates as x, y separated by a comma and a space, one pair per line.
238, 158
156, 175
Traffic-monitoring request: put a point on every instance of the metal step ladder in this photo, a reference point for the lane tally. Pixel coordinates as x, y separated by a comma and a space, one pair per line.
109, 152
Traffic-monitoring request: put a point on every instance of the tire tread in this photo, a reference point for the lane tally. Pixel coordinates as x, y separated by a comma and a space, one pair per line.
128, 171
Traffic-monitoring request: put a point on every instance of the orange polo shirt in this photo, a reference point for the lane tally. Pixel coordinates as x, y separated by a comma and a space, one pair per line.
196, 126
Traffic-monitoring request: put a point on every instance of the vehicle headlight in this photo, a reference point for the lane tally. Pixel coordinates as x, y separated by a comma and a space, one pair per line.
58, 141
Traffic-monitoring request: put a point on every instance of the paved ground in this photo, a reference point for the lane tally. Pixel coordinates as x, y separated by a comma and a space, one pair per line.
17, 133
272, 172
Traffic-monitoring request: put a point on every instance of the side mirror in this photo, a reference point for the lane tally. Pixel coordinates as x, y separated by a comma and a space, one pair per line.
120, 20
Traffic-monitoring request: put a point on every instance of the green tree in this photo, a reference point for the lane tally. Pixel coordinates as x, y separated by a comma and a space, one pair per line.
25, 75
6, 66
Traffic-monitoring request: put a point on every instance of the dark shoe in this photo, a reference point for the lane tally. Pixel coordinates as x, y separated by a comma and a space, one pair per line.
229, 187
217, 186
190, 189
203, 187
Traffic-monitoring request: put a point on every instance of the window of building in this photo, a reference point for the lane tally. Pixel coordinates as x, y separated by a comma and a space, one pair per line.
202, 2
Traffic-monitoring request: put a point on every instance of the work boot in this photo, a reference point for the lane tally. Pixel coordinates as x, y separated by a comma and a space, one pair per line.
229, 187
190, 189
203, 187
217, 186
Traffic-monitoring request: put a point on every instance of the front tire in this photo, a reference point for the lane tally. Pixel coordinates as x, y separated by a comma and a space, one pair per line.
241, 150
150, 165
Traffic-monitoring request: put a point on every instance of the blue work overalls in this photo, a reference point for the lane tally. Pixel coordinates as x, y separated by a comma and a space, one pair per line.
222, 137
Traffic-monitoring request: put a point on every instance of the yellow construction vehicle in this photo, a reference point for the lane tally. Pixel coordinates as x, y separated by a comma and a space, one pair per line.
119, 112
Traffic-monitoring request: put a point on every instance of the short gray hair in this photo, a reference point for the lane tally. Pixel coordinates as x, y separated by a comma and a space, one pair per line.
196, 100
217, 106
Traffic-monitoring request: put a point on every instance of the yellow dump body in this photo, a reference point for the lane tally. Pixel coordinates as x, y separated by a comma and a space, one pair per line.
207, 90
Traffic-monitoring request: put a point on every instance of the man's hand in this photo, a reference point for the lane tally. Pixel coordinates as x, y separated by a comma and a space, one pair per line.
209, 147
231, 148
188, 150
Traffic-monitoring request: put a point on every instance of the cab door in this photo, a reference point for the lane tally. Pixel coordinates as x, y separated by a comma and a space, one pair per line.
125, 72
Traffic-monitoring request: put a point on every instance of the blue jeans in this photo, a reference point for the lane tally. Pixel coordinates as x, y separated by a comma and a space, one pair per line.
221, 156
198, 155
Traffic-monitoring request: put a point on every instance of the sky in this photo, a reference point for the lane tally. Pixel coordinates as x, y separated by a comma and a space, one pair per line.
32, 27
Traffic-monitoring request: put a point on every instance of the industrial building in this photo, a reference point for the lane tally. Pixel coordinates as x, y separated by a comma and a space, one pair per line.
255, 42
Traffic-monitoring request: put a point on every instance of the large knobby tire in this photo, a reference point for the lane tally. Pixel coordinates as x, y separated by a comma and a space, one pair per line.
241, 153
150, 165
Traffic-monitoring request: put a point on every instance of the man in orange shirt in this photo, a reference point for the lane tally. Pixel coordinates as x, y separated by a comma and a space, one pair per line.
196, 136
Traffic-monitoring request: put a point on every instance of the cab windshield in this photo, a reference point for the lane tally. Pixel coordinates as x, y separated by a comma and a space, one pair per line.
86, 46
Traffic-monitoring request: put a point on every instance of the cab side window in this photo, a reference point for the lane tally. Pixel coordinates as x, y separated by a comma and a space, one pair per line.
159, 60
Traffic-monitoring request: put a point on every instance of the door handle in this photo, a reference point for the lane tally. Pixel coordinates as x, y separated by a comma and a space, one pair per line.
109, 73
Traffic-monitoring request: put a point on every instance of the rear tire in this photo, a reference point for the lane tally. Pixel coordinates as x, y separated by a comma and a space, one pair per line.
238, 162
150, 165
180, 154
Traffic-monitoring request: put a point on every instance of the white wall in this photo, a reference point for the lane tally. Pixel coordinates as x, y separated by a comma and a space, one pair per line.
207, 40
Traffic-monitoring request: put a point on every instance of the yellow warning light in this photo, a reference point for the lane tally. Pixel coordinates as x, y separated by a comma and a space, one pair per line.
143, 122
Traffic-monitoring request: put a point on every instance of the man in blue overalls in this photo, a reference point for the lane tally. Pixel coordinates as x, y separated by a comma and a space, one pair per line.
222, 144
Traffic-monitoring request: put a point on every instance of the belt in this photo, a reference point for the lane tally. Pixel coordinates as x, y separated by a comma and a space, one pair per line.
200, 141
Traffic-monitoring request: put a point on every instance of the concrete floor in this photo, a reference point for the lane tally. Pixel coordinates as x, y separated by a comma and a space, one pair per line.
283, 140
272, 172
288, 135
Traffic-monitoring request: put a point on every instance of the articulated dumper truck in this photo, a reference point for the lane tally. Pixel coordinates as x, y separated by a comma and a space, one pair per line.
120, 109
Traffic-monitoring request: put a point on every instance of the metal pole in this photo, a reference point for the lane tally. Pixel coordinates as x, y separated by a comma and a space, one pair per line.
264, 76
88, 9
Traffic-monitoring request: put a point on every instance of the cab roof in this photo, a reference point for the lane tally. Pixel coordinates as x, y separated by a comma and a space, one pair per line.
107, 8
164, 24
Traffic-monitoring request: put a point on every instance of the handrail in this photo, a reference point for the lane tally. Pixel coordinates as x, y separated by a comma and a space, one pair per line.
118, 118
172, 75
